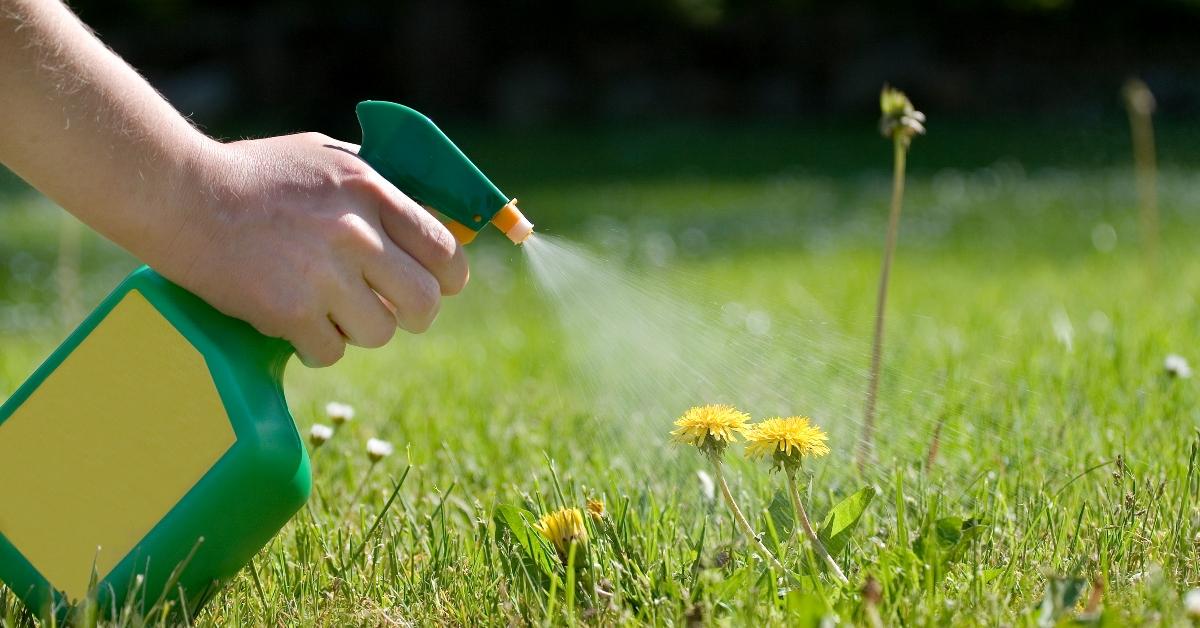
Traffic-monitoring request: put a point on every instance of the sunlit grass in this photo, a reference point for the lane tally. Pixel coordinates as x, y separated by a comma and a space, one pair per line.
1060, 464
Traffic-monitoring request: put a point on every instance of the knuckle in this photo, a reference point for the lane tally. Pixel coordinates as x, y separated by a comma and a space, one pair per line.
379, 335
355, 232
316, 137
318, 351
329, 353
443, 249
367, 181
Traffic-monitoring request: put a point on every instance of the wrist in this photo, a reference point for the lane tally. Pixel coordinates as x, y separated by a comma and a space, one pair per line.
194, 178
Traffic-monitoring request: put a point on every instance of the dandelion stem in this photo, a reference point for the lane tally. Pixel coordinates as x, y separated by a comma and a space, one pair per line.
868, 429
742, 522
1139, 103
802, 515
363, 485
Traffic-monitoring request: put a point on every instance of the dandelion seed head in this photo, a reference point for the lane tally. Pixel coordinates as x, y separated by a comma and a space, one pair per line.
900, 119
787, 441
710, 428
1177, 366
379, 449
1191, 603
563, 528
319, 434
339, 412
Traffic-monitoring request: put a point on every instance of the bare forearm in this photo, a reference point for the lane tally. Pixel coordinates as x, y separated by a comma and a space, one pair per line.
84, 128
294, 234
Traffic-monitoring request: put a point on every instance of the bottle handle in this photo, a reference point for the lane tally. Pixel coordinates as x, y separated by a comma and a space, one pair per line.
411, 152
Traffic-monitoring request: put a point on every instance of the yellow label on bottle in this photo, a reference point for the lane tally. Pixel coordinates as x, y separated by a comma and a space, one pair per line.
107, 445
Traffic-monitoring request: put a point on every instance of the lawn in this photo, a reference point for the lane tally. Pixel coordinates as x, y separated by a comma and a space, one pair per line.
1035, 463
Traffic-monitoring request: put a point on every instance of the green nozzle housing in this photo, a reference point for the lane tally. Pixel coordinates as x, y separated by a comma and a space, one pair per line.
410, 151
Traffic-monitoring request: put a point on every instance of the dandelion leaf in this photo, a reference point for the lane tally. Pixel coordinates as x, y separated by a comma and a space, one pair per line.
839, 523
515, 525
781, 514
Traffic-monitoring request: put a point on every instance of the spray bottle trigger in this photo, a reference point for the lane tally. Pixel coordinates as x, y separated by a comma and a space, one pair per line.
462, 233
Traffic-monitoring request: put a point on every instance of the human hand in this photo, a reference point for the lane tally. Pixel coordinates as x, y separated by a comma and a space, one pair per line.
302, 239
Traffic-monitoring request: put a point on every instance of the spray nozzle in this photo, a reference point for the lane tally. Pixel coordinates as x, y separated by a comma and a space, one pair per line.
513, 223
408, 149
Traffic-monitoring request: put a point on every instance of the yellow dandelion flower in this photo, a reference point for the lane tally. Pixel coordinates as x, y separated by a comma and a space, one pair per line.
712, 425
595, 508
787, 439
562, 528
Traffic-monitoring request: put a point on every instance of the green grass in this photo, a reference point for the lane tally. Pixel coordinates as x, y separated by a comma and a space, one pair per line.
489, 411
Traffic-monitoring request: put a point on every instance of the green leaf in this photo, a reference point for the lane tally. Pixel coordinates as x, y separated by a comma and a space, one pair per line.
781, 514
970, 530
949, 531
518, 524
804, 608
835, 529
733, 584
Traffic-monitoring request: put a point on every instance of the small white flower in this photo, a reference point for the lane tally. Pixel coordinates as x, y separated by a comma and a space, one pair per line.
319, 434
1064, 331
1177, 366
339, 412
707, 488
379, 449
1191, 603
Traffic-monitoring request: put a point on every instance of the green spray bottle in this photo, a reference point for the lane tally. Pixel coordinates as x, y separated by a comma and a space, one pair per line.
153, 453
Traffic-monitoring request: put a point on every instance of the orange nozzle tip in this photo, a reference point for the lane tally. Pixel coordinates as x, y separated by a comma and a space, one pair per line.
461, 232
513, 223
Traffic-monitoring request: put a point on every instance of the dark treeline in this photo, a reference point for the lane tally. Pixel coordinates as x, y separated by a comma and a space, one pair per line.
242, 66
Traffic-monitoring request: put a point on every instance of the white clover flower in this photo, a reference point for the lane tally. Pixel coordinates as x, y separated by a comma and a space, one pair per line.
379, 449
1177, 366
339, 412
1191, 603
319, 434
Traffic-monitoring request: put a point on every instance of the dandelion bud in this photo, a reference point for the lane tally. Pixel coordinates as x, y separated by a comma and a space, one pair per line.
378, 449
339, 412
595, 509
319, 435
